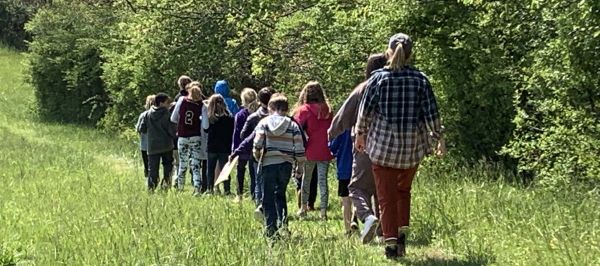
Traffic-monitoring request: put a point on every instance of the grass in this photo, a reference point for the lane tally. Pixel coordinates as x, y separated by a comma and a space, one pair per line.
75, 196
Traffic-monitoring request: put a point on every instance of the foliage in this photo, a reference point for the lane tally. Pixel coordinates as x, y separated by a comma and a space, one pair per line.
64, 61
75, 196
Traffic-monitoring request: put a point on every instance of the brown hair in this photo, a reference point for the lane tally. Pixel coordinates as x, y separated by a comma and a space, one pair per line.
149, 101
312, 93
279, 103
217, 108
183, 81
374, 62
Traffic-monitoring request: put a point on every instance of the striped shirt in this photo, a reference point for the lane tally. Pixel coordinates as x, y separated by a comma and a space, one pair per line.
399, 114
278, 139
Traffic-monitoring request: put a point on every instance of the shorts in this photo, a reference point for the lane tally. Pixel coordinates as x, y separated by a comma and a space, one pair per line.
343, 188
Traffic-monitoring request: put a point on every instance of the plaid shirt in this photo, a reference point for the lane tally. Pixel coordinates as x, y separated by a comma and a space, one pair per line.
397, 110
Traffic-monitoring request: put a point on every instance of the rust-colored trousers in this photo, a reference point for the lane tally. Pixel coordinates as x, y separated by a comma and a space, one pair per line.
393, 192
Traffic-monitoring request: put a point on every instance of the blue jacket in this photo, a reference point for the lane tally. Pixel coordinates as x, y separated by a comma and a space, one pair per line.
222, 87
341, 148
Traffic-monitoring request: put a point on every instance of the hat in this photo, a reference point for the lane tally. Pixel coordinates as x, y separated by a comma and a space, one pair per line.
403, 39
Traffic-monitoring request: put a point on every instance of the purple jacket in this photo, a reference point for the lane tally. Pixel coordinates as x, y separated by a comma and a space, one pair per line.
245, 147
240, 120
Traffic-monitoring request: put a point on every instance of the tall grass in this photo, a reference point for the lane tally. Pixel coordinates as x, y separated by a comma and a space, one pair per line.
75, 196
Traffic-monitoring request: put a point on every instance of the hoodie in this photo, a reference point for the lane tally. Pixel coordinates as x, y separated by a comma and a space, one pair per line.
278, 140
222, 88
159, 129
341, 147
240, 120
315, 119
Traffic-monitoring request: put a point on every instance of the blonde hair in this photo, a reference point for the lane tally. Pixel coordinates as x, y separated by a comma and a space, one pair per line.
312, 93
217, 108
249, 99
195, 94
397, 59
149, 101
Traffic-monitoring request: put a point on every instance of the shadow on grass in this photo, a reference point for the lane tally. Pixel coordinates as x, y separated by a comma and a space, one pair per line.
433, 259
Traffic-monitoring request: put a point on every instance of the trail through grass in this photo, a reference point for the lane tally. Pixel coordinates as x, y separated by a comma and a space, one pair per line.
72, 195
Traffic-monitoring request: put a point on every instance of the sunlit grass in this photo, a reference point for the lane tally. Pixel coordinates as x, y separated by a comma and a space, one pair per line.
72, 195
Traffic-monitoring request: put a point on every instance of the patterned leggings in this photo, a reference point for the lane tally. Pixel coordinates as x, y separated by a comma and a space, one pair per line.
189, 151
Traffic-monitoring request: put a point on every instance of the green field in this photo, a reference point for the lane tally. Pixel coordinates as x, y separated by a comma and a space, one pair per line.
76, 196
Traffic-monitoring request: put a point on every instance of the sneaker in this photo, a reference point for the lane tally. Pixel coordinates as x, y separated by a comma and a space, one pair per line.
402, 245
197, 192
371, 223
237, 199
302, 212
258, 214
391, 252
353, 226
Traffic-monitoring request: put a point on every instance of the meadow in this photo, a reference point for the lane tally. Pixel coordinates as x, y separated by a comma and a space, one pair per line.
74, 195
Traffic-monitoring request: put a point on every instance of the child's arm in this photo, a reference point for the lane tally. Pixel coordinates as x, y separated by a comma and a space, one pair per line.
175, 113
245, 146
143, 126
259, 139
138, 125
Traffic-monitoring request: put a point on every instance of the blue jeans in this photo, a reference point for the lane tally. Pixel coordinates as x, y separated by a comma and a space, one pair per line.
275, 180
213, 159
258, 186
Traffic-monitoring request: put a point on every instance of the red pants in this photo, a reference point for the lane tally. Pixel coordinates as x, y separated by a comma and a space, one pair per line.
393, 192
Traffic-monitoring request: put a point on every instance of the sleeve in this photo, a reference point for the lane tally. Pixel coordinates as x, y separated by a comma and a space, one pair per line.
299, 145
237, 129
138, 125
430, 110
346, 117
245, 146
334, 145
301, 117
175, 113
143, 126
259, 138
205, 123
367, 106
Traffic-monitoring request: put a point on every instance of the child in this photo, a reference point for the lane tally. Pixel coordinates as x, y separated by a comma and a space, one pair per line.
314, 116
187, 115
182, 83
220, 129
160, 130
278, 144
144, 136
341, 147
249, 106
222, 88
264, 95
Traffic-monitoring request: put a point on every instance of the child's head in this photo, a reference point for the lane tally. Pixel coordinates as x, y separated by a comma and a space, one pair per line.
278, 104
183, 81
312, 93
249, 99
374, 62
149, 101
161, 100
264, 95
194, 83
217, 108
195, 93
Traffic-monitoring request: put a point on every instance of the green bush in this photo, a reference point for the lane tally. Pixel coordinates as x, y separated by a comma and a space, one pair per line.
64, 62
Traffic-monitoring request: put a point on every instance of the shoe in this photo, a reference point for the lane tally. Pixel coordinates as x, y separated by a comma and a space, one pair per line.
367, 234
302, 212
197, 192
391, 252
353, 227
402, 245
310, 208
324, 214
237, 199
258, 214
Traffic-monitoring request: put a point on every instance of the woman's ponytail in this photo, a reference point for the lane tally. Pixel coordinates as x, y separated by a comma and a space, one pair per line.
398, 59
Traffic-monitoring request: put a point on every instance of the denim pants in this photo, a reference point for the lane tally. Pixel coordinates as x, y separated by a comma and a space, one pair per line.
258, 186
153, 165
275, 180
322, 168
189, 152
213, 159
241, 172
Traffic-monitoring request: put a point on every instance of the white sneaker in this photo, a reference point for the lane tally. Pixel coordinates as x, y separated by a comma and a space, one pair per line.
258, 214
367, 234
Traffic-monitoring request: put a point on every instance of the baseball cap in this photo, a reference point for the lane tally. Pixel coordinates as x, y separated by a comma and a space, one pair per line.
403, 39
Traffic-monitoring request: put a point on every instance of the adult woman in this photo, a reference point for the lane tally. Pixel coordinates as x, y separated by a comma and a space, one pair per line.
397, 111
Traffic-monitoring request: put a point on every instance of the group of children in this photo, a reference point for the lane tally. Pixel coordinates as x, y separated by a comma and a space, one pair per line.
201, 134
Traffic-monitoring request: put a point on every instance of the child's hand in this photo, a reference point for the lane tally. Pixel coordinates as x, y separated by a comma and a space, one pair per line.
441, 148
359, 143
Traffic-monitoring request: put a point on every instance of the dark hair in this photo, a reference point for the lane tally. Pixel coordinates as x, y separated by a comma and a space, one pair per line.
279, 103
160, 98
374, 62
183, 81
264, 95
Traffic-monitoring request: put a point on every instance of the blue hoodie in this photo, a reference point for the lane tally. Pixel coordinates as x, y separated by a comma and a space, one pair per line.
222, 88
341, 148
